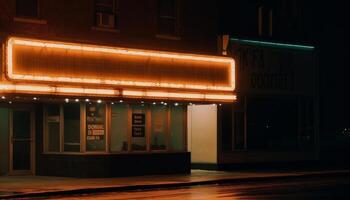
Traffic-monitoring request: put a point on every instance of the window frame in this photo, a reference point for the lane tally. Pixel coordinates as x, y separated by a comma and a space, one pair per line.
61, 131
166, 133
116, 15
184, 131
29, 17
176, 18
45, 129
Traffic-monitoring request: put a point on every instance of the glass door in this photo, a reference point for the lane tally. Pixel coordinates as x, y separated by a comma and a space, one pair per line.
21, 142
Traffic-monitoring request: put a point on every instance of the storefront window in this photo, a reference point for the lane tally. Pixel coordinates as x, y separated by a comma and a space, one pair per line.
71, 127
53, 128
138, 128
159, 127
95, 127
177, 127
131, 127
119, 128
272, 123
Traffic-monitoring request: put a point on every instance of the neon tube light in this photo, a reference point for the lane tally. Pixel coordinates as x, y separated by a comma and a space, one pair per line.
55, 90
20, 88
90, 48
184, 96
273, 44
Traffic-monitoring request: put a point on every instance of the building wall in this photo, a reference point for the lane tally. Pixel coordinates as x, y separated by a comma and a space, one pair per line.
116, 165
321, 24
74, 21
276, 116
293, 21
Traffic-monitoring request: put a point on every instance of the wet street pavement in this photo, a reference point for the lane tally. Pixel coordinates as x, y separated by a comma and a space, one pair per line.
297, 188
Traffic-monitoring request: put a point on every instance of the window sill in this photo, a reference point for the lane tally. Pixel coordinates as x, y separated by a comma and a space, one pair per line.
97, 28
29, 20
168, 37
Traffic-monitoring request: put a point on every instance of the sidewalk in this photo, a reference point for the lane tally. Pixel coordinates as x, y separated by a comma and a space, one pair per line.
31, 186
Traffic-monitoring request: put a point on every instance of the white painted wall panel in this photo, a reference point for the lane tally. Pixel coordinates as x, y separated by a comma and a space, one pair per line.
202, 133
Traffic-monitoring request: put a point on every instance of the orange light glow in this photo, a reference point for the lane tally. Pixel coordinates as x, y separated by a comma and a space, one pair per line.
178, 57
18, 88
183, 96
148, 94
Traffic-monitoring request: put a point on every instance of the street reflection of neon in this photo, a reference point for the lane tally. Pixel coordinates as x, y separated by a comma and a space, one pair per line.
112, 50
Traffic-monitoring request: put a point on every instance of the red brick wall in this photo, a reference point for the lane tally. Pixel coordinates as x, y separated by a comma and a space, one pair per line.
73, 21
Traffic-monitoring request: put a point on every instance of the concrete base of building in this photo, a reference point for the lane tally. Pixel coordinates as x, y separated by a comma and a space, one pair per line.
113, 165
205, 166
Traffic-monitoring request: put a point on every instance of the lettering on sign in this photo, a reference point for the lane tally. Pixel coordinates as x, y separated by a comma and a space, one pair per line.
265, 69
138, 131
282, 81
95, 125
138, 118
250, 58
138, 125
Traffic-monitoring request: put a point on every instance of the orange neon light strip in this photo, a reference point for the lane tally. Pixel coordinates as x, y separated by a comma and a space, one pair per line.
172, 95
52, 89
176, 56
20, 88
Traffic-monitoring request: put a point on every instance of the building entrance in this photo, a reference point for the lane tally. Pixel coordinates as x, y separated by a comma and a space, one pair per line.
21, 142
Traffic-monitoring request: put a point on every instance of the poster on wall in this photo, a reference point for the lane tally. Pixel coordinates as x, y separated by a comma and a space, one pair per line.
138, 124
138, 131
158, 122
95, 127
138, 119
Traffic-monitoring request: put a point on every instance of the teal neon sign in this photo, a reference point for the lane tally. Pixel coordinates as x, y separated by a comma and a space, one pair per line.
273, 44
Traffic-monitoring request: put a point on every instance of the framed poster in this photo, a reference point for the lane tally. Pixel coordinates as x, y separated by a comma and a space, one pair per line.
138, 124
95, 127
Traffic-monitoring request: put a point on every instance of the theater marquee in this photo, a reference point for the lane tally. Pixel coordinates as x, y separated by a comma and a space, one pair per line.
71, 68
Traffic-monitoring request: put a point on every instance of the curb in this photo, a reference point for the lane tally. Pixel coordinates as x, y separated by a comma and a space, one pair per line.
171, 185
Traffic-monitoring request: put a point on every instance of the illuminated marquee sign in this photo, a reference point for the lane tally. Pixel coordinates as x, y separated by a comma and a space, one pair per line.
125, 72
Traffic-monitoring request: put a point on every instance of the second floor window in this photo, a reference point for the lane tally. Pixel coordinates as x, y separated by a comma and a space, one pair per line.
27, 8
167, 17
106, 13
